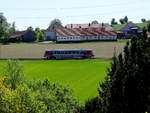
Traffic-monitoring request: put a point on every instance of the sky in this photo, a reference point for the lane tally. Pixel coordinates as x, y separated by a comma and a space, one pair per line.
39, 13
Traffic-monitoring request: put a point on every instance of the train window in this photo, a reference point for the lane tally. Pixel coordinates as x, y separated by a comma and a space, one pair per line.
81, 52
73, 52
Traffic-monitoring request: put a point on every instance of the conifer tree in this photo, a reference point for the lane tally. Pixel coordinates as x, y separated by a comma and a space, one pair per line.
126, 88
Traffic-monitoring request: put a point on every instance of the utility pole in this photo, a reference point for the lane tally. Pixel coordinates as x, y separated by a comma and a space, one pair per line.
0, 51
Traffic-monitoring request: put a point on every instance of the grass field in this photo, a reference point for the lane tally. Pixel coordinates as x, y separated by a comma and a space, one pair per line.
82, 76
36, 50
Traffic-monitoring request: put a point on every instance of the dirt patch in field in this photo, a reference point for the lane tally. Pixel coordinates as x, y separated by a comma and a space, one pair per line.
36, 50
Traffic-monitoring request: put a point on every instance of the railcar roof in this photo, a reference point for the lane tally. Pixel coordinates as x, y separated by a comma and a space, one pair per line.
71, 50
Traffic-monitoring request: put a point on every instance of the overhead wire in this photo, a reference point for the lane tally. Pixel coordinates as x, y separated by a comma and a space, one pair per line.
68, 8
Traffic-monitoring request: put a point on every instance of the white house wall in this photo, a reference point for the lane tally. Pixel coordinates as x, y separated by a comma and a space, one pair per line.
84, 38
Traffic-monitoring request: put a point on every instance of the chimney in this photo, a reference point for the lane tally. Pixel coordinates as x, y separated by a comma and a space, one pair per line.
71, 26
89, 25
103, 27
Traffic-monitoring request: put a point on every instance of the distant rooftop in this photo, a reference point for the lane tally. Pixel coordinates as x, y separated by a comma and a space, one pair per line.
89, 25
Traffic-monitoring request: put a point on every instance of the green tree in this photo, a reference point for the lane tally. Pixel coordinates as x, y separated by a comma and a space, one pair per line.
122, 21
39, 34
30, 28
126, 19
14, 73
56, 23
12, 28
4, 91
143, 20
22, 100
113, 21
127, 84
56, 98
37, 29
148, 26
91, 106
95, 22
4, 27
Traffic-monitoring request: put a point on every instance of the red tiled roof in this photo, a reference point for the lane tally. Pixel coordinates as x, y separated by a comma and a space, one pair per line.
75, 31
84, 32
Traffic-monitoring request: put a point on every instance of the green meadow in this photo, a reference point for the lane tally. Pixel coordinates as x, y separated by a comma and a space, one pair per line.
82, 76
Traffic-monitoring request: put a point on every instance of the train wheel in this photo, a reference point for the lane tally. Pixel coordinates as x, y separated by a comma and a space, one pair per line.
53, 58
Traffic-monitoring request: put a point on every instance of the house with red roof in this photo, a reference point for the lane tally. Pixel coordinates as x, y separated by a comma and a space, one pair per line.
82, 32
65, 34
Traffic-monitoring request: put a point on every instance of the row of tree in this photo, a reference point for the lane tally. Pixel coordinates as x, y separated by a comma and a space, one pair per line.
124, 20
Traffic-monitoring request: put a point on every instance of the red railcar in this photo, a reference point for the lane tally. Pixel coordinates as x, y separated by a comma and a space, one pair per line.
69, 54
